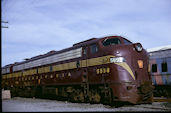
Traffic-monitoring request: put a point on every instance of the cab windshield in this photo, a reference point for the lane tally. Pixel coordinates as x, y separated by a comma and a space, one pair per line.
112, 41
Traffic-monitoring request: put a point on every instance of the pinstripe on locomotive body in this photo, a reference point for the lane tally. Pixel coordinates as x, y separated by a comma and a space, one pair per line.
107, 69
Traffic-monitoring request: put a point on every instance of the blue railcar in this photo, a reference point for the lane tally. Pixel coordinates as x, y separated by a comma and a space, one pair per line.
160, 69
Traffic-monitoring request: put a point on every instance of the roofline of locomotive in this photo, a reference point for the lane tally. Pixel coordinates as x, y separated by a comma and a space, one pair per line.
76, 45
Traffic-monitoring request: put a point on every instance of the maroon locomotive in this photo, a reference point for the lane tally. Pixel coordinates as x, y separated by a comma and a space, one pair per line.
99, 70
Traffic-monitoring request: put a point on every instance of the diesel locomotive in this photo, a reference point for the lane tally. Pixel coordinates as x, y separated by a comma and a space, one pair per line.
110, 69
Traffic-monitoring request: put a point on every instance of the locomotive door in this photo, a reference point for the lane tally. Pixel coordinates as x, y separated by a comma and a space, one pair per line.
84, 63
85, 72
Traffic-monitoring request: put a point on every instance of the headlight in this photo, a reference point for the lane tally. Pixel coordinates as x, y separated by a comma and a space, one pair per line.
117, 60
138, 47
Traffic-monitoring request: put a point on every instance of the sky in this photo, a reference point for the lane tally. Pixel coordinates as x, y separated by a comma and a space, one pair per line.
38, 26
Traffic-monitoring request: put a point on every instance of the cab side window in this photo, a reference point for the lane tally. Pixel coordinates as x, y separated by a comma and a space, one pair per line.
93, 48
112, 41
127, 42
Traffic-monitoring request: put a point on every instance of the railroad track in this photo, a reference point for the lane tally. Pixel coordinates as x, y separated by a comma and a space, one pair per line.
161, 99
155, 107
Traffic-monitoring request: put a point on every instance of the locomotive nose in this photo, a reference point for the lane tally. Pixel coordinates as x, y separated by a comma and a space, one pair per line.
135, 60
140, 63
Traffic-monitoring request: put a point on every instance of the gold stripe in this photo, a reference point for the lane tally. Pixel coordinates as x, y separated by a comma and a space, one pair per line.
9, 75
57, 68
16, 74
65, 66
4, 76
126, 67
33, 71
29, 72
72, 65
44, 69
99, 60
83, 63
26, 73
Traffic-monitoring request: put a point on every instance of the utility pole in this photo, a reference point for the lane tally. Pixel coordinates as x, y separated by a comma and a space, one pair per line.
5, 23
